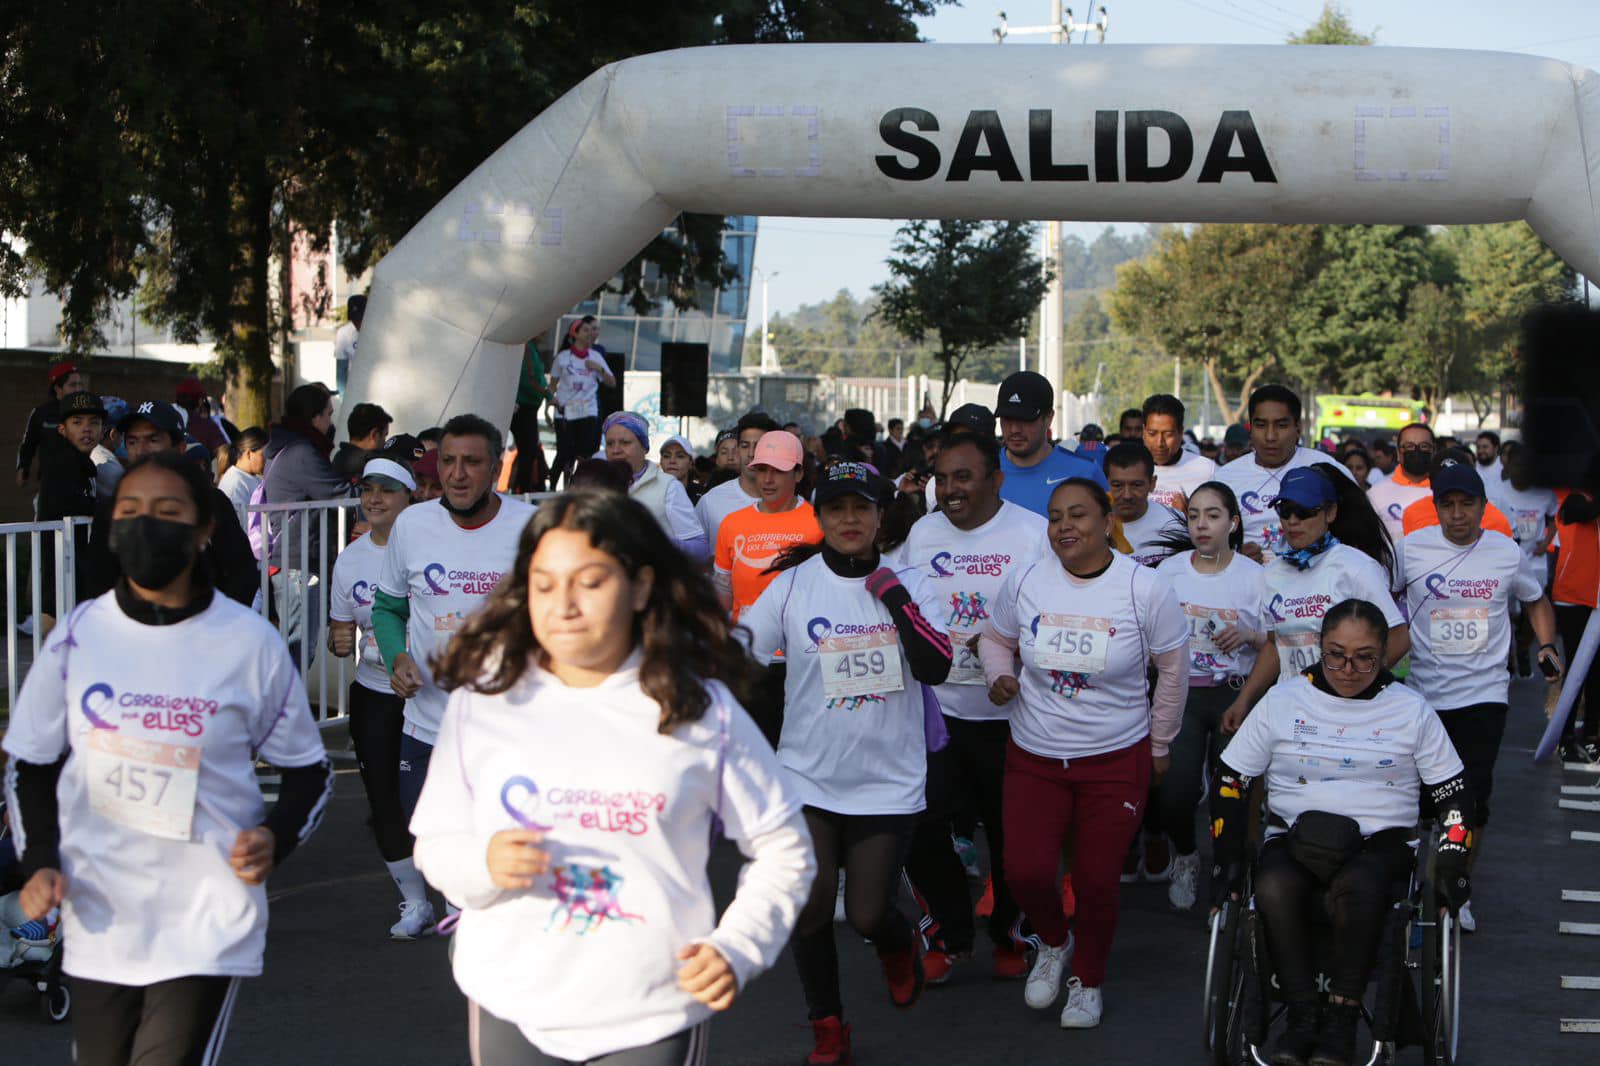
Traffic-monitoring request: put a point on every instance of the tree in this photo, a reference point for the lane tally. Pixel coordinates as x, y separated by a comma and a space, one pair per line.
966, 285
1333, 27
132, 152
1430, 342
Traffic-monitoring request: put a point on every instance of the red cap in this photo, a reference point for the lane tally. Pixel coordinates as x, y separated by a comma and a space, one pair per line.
190, 387
427, 466
62, 370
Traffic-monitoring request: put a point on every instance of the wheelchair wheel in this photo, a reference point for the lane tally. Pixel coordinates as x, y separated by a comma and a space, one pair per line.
1219, 978
1441, 990
55, 1003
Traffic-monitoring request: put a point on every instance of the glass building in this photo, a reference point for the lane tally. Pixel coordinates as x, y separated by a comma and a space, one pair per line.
718, 321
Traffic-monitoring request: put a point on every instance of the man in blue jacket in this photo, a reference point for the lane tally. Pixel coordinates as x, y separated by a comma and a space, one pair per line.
1032, 463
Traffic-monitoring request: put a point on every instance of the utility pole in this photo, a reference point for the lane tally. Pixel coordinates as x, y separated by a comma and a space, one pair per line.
1060, 28
769, 362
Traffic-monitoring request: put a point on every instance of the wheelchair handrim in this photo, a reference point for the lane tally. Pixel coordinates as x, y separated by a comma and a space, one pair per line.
1450, 973
1208, 1010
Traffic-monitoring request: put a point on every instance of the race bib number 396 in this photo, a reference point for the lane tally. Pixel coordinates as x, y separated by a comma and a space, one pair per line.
865, 664
1072, 642
1458, 630
146, 785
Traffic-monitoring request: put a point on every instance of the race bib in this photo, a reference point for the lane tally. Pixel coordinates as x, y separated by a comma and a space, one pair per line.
1204, 624
865, 664
1458, 630
965, 666
147, 785
1298, 652
1529, 527
1073, 643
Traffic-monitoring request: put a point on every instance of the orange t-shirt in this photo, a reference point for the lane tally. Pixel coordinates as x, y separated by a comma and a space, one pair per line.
750, 539
1577, 560
1422, 513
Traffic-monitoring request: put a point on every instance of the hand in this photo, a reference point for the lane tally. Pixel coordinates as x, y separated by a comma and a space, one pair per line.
1234, 717
1003, 691
707, 977
1455, 889
1159, 765
252, 855
341, 638
406, 678
513, 861
1251, 550
910, 484
1548, 655
44, 890
1235, 637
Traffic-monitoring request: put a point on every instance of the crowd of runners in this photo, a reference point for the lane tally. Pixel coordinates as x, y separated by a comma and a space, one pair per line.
852, 654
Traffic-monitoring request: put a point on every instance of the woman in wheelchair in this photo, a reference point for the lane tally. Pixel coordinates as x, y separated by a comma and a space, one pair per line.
1346, 752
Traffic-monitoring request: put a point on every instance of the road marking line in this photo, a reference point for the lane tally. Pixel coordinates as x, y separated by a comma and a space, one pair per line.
1579, 895
1579, 805
1580, 790
1579, 834
1580, 982
1580, 1025
1582, 767
1580, 928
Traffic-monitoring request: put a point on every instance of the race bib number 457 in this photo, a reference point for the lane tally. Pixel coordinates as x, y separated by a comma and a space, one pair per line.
1072, 642
146, 785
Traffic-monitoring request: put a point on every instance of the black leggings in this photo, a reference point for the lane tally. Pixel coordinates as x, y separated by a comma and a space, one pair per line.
971, 768
171, 1023
1197, 746
1570, 621
375, 721
527, 474
493, 1041
871, 849
1359, 899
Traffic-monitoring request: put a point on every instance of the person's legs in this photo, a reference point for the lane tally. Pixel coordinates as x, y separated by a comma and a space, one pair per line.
414, 756
1476, 733
105, 1018
561, 467
687, 1048
525, 432
1570, 623
1180, 788
872, 852
493, 1041
1283, 899
984, 745
1360, 897
1107, 796
1037, 809
184, 1022
815, 954
931, 863
376, 719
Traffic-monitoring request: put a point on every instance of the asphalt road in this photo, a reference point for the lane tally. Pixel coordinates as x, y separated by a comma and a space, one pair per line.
337, 991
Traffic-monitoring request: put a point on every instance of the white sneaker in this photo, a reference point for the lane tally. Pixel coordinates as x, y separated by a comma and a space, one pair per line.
416, 920
1181, 892
1083, 1006
1469, 924
1044, 980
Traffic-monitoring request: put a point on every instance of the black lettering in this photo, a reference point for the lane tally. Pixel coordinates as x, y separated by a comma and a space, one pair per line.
1040, 166
892, 132
1220, 160
1136, 145
1105, 145
983, 127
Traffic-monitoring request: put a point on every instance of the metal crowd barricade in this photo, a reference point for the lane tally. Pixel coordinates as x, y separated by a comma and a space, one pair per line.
58, 535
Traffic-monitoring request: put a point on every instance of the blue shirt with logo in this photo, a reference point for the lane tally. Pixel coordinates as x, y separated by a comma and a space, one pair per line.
1031, 486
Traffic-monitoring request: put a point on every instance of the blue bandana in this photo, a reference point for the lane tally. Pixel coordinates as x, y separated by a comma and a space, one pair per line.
1302, 557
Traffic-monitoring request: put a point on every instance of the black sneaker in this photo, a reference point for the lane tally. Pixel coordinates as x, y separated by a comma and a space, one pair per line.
1591, 751
1295, 1044
1336, 1036
1572, 751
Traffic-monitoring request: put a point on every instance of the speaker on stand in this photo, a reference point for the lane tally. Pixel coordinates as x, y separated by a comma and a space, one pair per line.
610, 397
685, 379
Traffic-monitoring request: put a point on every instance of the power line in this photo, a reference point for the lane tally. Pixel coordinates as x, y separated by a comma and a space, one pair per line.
1227, 15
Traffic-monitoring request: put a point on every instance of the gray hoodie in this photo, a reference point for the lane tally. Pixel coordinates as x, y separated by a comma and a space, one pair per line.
298, 471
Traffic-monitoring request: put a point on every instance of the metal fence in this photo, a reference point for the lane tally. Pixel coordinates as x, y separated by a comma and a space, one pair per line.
55, 537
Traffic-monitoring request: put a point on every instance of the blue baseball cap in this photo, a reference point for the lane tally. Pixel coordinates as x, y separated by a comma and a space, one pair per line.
1454, 476
1306, 488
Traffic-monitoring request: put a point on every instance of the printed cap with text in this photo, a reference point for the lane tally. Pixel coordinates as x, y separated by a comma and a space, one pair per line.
1453, 476
849, 479
1025, 395
82, 403
158, 413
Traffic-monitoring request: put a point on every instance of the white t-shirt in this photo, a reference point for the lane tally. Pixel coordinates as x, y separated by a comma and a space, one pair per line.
719, 503
163, 725
1459, 603
1528, 510
1390, 498
355, 576
1359, 758
237, 486
345, 341
1297, 600
1212, 603
964, 569
1159, 522
445, 572
1181, 478
1257, 489
578, 382
861, 753
1086, 647
585, 962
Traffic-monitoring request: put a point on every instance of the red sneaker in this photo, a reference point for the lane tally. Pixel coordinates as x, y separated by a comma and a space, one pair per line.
937, 965
985, 905
903, 972
1009, 964
832, 1039
1069, 898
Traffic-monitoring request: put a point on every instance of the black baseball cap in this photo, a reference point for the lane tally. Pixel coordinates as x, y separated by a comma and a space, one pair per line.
844, 479
406, 445
970, 418
159, 413
81, 403
1237, 436
1091, 431
1025, 395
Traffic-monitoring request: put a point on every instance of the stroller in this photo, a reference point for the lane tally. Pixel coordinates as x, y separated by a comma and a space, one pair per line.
36, 955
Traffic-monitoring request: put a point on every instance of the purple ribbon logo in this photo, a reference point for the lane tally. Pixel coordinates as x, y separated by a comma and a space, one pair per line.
1435, 586
97, 698
938, 561
818, 629
360, 592
523, 805
432, 574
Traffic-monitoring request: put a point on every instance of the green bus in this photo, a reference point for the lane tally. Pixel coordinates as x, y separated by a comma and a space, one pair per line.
1367, 417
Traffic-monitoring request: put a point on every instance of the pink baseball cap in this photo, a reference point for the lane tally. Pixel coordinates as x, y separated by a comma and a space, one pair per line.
778, 449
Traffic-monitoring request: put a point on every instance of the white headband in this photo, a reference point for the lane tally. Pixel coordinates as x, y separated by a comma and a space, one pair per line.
381, 467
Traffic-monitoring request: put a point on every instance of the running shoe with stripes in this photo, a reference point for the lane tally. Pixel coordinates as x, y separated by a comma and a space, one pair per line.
1044, 980
416, 921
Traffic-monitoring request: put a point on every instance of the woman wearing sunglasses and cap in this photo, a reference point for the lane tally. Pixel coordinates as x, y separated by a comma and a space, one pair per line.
1334, 548
376, 713
627, 440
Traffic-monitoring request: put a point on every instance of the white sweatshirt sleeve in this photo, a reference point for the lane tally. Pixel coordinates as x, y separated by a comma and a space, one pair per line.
450, 852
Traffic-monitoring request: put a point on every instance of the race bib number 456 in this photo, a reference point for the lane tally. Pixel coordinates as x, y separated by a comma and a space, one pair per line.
147, 785
1072, 642
865, 664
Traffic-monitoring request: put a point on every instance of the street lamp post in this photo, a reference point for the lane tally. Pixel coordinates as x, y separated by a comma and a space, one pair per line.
769, 362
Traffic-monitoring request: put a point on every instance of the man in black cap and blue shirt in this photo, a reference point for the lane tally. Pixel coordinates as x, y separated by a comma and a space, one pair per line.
1033, 465
1458, 581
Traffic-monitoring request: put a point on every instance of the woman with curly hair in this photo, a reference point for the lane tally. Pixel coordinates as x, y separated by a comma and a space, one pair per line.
594, 740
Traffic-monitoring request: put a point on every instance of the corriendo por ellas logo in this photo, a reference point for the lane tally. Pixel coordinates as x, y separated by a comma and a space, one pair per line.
167, 712
442, 581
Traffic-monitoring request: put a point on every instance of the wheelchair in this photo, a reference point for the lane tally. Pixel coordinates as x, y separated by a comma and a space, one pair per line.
55, 998
1414, 999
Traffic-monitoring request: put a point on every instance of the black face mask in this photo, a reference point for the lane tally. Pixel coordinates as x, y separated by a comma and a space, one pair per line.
153, 551
1416, 464
467, 512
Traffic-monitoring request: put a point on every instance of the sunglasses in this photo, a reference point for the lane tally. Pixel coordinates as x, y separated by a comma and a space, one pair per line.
1287, 509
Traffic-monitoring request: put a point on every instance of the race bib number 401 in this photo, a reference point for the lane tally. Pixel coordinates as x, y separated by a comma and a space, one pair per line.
865, 664
1072, 642
1458, 630
147, 785
1298, 652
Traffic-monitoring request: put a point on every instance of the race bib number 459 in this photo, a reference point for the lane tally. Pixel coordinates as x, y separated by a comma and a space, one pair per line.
865, 664
1072, 642
146, 785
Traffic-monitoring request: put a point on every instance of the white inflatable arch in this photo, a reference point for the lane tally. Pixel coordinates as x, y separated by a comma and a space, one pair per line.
1173, 133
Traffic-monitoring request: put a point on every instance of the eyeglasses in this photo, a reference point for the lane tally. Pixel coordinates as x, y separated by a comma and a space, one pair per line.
1361, 664
1406, 449
1286, 509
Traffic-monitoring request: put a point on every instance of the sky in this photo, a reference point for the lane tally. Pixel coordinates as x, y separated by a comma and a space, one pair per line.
807, 260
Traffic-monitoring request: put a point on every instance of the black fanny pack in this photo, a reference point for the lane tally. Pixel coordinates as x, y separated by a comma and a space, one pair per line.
1324, 842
